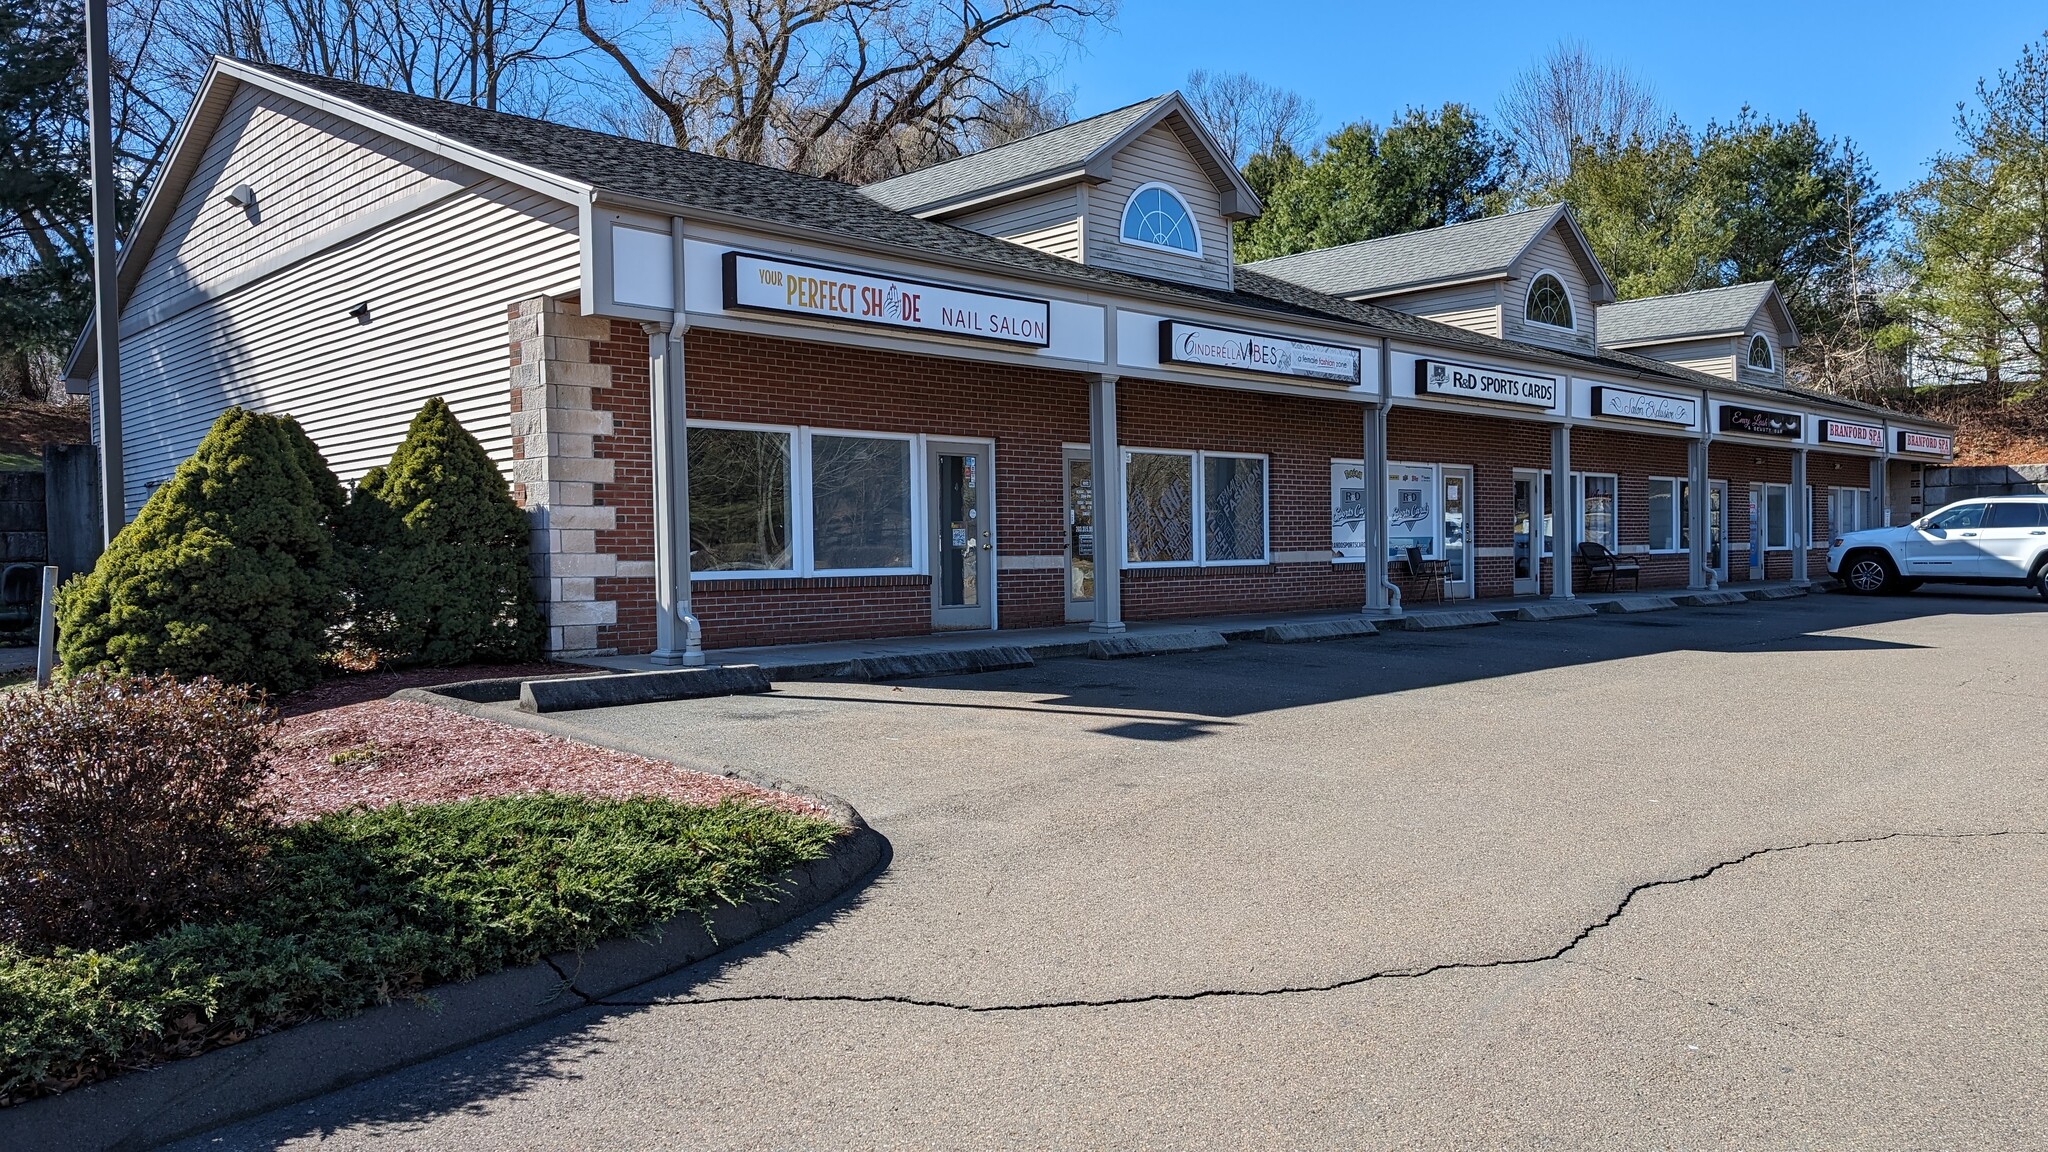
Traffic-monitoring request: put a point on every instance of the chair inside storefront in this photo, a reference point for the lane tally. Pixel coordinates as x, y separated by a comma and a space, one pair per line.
1429, 572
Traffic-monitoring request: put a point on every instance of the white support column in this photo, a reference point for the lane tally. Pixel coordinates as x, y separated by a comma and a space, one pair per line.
1698, 515
678, 640
1801, 502
1564, 514
1377, 602
1107, 463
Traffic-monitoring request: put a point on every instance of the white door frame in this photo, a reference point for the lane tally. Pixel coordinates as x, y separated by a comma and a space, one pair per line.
1461, 474
1077, 611
1532, 584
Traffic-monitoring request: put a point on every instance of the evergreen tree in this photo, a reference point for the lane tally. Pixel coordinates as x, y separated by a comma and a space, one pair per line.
441, 553
229, 570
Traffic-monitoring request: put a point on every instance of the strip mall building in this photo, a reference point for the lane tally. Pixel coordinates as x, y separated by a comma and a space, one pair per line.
783, 409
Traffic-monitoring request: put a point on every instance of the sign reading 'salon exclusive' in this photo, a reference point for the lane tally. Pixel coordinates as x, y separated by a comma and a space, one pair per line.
1465, 382
1209, 347
788, 286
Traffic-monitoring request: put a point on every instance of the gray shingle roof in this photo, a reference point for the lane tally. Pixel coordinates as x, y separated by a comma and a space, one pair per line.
1009, 165
773, 196
1656, 319
1470, 251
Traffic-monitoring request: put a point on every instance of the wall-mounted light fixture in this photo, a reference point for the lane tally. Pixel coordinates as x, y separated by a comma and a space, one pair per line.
361, 312
242, 196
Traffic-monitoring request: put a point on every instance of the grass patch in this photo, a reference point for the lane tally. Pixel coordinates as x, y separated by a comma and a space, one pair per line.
15, 461
363, 908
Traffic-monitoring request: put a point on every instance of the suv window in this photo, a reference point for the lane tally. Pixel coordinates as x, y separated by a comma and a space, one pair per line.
1960, 516
2017, 514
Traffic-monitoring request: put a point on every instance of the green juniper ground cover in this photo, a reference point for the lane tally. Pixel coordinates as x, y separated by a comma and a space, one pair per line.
362, 908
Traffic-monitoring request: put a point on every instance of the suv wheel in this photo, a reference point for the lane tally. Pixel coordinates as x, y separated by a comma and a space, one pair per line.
2041, 578
1870, 573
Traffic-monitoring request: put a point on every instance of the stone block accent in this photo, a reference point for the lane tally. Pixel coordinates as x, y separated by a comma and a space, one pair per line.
556, 469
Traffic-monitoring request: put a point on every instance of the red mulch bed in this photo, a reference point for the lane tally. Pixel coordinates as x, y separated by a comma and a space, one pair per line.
356, 687
383, 752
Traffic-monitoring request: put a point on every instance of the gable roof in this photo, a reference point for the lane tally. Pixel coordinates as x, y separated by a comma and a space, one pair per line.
570, 162
1078, 151
1484, 249
1705, 314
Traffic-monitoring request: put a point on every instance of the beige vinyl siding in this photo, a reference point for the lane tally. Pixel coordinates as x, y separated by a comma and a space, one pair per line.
1772, 379
1159, 156
1552, 253
1049, 222
438, 283
311, 173
1714, 357
1473, 307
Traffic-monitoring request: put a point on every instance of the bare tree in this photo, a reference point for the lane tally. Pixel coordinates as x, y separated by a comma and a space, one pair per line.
848, 89
1248, 116
1568, 100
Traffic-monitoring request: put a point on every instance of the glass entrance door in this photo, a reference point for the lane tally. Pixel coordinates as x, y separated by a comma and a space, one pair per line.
1080, 487
963, 541
1717, 529
1458, 541
1529, 526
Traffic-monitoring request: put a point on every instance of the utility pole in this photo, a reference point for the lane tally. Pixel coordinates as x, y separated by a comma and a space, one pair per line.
105, 294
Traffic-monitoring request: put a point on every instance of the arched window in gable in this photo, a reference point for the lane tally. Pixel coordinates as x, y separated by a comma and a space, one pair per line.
1760, 353
1158, 218
1549, 304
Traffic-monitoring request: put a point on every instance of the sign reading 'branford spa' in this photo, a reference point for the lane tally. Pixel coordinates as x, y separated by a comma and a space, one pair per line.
1931, 443
1627, 404
1848, 432
1250, 352
788, 286
1465, 382
1761, 422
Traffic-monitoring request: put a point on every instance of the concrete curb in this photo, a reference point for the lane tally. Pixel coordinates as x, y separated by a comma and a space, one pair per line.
1436, 621
1154, 644
1318, 630
1556, 610
186, 1097
1778, 592
1629, 605
957, 662
1707, 599
568, 694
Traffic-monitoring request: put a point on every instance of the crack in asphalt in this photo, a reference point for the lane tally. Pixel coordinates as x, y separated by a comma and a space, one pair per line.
1412, 973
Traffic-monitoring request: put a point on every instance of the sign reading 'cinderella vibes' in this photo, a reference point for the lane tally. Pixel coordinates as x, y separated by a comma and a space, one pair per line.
1248, 352
763, 284
1462, 381
1626, 404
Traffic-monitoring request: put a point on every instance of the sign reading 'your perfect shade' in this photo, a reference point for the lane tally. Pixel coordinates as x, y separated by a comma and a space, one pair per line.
814, 290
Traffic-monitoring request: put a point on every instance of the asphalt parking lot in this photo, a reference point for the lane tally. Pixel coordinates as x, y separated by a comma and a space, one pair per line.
1758, 876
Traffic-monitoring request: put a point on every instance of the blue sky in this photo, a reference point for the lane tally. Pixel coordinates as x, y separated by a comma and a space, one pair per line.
1887, 75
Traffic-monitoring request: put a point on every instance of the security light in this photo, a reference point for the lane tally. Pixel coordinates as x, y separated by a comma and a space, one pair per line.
361, 312
242, 196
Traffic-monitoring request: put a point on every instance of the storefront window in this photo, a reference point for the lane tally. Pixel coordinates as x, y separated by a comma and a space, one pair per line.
1413, 517
1597, 519
860, 502
739, 500
1234, 509
1159, 507
1667, 514
1777, 516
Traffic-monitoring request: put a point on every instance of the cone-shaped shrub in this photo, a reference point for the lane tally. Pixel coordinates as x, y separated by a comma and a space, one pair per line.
228, 571
441, 553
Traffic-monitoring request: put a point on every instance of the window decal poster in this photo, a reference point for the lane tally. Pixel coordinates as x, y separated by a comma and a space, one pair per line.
1349, 511
1412, 516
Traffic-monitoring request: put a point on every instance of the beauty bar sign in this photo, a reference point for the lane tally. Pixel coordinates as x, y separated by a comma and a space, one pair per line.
760, 284
1465, 382
1929, 443
1624, 404
1761, 422
1860, 435
1250, 352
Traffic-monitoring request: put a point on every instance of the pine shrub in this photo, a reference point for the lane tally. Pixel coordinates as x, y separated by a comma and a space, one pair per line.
441, 553
228, 571
128, 804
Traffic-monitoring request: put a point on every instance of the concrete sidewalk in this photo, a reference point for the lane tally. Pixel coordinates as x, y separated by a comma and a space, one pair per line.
840, 658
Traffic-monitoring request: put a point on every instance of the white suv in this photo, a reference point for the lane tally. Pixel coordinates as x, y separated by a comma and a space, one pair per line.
1998, 541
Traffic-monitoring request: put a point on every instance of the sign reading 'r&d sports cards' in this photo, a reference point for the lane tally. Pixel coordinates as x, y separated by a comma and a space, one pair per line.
761, 284
1466, 382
